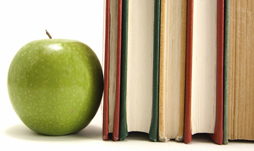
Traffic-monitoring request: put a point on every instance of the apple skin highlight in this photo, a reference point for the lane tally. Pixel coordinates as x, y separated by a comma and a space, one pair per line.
55, 85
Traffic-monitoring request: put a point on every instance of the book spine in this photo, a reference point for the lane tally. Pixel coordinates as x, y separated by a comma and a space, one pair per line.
218, 132
153, 133
226, 71
106, 73
123, 131
118, 73
187, 114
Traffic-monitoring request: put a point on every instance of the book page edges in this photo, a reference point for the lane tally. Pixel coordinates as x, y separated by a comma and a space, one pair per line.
162, 136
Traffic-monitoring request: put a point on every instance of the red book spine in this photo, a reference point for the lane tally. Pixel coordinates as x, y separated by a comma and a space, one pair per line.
187, 114
218, 132
118, 73
106, 72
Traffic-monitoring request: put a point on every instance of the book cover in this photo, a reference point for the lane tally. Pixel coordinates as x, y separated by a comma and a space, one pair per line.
123, 132
153, 134
106, 71
218, 133
226, 68
187, 109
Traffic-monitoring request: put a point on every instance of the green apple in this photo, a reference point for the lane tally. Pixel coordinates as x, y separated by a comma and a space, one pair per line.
55, 85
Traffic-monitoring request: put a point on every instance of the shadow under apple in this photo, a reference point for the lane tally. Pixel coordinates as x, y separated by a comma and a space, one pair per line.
20, 131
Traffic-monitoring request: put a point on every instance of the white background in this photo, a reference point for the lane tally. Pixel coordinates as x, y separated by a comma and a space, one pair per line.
22, 21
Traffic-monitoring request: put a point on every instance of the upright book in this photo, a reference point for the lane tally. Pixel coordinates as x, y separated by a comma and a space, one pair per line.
139, 104
204, 69
241, 71
112, 70
172, 69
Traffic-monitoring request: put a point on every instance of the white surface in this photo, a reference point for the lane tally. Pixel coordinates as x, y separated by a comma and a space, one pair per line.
26, 20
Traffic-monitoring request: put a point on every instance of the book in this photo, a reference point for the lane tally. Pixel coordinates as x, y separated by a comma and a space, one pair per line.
241, 71
137, 103
204, 69
112, 69
172, 69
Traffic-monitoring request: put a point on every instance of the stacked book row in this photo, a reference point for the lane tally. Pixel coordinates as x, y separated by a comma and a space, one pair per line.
176, 68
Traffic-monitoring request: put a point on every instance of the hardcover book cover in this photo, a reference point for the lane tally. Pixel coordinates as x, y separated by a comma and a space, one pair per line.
226, 68
153, 134
123, 132
106, 71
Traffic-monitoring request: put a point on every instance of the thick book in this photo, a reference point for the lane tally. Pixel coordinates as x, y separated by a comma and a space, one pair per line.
137, 104
204, 69
112, 69
172, 69
241, 71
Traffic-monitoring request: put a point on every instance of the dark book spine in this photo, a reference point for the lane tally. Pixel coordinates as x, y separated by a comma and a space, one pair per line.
153, 133
123, 124
226, 71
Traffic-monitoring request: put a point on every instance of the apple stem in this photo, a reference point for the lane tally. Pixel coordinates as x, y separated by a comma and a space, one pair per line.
48, 34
